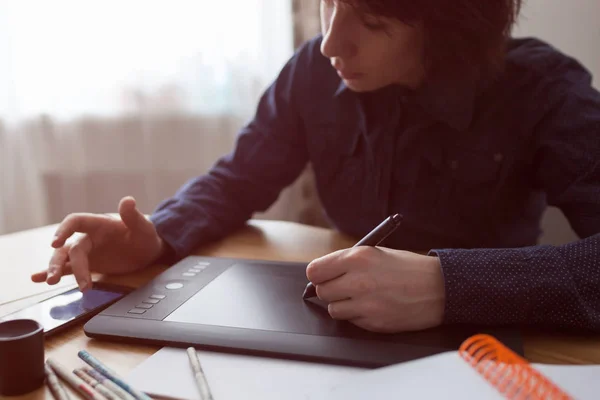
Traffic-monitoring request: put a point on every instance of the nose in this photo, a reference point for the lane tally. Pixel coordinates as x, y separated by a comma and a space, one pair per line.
338, 36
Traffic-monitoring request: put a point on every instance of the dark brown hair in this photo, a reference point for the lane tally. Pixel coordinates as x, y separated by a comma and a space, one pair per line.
461, 36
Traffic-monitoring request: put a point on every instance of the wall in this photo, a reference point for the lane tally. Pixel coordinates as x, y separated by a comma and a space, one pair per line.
572, 27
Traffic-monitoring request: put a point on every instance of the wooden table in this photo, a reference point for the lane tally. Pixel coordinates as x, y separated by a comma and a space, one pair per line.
272, 240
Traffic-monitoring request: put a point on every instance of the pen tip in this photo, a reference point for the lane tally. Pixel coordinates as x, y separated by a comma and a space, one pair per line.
309, 291
397, 218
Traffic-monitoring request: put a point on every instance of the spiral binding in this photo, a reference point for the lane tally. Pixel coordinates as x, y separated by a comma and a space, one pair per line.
512, 375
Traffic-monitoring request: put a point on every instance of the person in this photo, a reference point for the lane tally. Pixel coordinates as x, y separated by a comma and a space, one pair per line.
430, 109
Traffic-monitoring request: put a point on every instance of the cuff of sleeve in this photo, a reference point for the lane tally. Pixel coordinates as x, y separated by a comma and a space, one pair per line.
177, 231
485, 286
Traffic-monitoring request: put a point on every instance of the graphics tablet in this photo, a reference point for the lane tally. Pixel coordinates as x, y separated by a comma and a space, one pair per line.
256, 307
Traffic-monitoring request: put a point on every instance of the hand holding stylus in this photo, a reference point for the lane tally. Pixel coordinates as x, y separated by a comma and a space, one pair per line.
380, 289
373, 238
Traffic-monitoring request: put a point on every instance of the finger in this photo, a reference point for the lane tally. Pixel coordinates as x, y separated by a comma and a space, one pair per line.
350, 285
79, 222
52, 274
344, 309
373, 325
328, 267
39, 276
78, 256
132, 217
57, 262
42, 276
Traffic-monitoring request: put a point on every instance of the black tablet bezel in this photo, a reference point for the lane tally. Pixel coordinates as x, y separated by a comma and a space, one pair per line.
375, 350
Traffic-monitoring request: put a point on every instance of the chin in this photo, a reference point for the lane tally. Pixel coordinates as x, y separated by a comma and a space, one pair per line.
362, 85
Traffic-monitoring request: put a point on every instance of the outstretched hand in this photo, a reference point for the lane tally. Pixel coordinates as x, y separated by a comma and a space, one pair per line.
106, 244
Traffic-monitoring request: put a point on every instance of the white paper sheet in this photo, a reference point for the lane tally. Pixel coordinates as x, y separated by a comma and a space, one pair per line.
167, 374
442, 376
580, 381
448, 376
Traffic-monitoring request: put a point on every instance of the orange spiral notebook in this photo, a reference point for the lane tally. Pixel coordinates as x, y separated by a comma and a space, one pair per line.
511, 375
483, 368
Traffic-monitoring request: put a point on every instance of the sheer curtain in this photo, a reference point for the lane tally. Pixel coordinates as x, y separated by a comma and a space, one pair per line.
105, 99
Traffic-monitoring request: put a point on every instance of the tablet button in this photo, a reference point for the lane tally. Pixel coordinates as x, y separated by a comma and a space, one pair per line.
146, 306
151, 301
202, 264
136, 311
174, 286
196, 270
158, 296
189, 274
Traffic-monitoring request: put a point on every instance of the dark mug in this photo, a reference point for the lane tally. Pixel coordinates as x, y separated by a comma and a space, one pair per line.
21, 357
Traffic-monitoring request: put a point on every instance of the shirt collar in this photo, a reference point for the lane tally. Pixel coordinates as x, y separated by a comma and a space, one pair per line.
341, 88
451, 102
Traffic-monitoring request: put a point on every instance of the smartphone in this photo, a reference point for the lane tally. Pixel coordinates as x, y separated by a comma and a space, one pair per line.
70, 307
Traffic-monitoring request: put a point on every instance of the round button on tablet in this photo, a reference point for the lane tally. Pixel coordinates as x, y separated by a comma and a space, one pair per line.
174, 286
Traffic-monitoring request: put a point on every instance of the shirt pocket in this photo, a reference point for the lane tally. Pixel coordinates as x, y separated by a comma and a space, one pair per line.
474, 179
333, 149
340, 167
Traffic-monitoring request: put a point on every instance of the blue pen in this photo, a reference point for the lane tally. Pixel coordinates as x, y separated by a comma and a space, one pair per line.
98, 366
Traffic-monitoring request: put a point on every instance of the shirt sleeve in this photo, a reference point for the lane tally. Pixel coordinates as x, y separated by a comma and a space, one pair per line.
269, 154
552, 286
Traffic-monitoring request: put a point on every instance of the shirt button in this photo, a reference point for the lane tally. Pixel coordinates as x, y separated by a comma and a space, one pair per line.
498, 157
454, 164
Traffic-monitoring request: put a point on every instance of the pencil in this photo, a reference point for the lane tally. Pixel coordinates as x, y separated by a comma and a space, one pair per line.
98, 366
103, 390
86, 390
58, 391
201, 381
108, 383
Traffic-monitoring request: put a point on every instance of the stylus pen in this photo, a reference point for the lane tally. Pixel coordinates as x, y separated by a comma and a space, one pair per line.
373, 238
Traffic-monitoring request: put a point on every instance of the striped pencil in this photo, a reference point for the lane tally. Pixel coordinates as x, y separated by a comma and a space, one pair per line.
58, 391
103, 390
86, 390
108, 383
98, 366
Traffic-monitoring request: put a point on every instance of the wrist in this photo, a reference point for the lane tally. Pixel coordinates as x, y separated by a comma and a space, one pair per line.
438, 290
166, 254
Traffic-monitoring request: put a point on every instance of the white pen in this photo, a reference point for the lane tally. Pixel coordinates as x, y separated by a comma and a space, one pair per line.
201, 381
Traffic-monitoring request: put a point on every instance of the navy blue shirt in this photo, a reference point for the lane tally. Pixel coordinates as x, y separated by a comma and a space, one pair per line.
471, 166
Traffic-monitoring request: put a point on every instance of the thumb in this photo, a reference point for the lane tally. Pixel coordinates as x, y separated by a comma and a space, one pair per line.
131, 216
